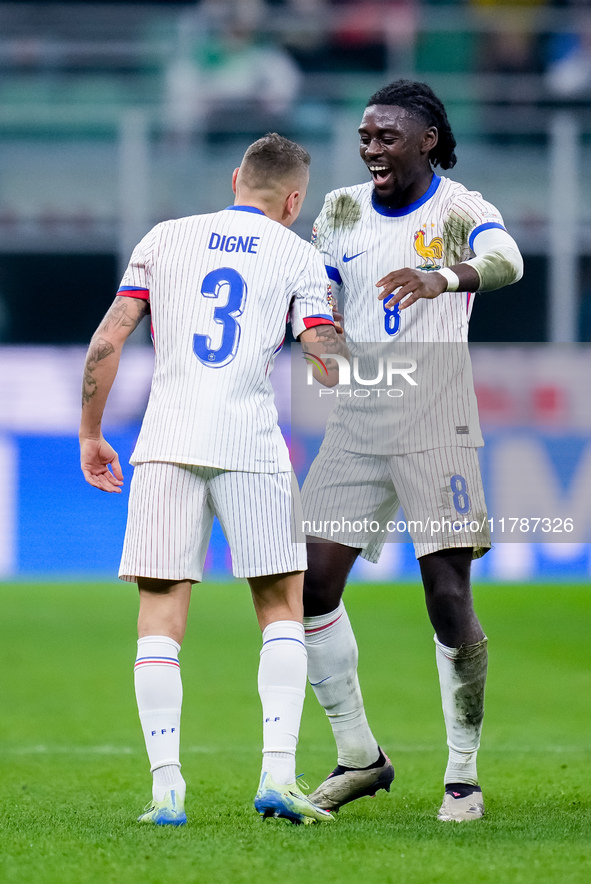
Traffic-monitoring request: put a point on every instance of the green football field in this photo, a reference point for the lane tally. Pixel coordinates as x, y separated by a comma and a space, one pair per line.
74, 774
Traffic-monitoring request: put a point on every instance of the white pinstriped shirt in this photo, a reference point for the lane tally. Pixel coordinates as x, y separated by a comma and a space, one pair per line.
361, 242
220, 287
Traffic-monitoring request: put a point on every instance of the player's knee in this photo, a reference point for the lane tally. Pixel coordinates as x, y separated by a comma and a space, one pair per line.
446, 569
451, 611
323, 588
322, 593
329, 565
453, 599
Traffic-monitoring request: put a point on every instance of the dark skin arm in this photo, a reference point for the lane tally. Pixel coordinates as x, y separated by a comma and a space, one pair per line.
415, 284
98, 460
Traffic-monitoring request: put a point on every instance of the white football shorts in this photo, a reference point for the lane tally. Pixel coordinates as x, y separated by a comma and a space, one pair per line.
354, 499
170, 516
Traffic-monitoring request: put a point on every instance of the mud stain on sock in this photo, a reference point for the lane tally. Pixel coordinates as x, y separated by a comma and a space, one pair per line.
470, 667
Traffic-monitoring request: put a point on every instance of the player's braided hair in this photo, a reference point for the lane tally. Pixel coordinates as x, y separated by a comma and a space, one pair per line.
273, 158
420, 100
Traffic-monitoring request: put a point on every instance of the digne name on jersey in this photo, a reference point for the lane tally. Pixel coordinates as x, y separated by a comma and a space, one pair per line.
234, 243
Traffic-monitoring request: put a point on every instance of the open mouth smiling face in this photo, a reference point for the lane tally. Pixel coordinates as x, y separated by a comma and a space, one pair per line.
392, 148
380, 174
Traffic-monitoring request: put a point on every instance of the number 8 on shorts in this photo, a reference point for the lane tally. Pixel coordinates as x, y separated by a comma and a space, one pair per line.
460, 494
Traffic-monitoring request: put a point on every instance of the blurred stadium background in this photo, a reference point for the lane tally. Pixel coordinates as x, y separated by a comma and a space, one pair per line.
114, 116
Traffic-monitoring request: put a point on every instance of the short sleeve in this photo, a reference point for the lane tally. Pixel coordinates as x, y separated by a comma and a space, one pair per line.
469, 215
311, 302
137, 277
323, 239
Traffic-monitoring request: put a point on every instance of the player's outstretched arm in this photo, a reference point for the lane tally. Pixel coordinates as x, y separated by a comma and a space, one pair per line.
497, 262
98, 460
320, 341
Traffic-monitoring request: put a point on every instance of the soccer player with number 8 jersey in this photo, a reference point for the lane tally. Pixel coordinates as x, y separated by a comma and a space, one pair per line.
218, 288
405, 253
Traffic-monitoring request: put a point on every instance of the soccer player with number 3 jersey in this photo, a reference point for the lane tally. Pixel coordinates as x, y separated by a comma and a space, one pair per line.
405, 253
218, 288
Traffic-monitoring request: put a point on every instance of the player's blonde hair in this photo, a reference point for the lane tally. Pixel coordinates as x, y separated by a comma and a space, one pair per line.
271, 160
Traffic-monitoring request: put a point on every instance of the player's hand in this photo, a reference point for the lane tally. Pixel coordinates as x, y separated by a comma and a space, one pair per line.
338, 321
411, 285
100, 465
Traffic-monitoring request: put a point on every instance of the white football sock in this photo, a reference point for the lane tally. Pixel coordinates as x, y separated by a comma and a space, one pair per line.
167, 778
159, 694
462, 677
332, 672
282, 686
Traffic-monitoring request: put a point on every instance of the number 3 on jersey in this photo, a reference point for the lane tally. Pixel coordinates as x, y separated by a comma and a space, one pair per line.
213, 286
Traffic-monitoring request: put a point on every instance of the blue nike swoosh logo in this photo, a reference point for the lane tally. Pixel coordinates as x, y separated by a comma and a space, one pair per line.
346, 259
315, 684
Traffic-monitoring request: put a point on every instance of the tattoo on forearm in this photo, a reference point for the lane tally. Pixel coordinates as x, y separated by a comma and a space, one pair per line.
123, 313
99, 350
330, 340
88, 386
326, 334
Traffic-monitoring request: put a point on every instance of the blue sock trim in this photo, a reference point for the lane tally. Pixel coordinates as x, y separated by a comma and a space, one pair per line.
284, 639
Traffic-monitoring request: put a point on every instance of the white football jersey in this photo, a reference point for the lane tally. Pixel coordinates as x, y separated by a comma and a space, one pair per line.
220, 287
361, 241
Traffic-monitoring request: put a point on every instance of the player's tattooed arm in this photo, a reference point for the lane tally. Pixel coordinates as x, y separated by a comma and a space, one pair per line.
99, 349
321, 342
99, 461
123, 316
327, 334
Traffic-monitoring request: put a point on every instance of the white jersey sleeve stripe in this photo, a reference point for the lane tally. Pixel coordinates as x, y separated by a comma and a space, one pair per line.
482, 227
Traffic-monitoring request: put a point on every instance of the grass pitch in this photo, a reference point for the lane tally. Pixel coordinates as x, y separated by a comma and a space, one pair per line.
74, 774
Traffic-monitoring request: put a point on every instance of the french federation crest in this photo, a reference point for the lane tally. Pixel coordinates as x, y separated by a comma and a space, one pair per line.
430, 252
